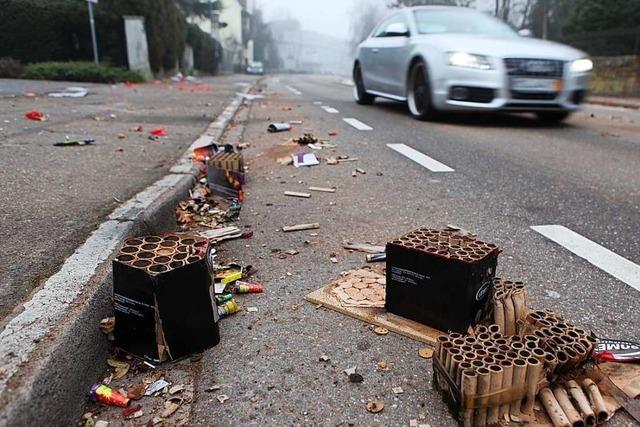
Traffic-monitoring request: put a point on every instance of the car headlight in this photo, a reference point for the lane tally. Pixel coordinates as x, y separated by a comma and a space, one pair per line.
469, 60
583, 65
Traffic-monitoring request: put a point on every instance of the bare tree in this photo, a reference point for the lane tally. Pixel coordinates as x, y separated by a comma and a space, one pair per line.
366, 15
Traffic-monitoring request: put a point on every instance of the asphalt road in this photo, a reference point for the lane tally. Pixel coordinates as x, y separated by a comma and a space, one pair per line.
51, 197
511, 173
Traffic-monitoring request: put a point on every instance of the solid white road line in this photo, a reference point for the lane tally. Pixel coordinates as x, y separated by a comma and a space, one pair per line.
294, 90
358, 124
330, 110
422, 159
617, 266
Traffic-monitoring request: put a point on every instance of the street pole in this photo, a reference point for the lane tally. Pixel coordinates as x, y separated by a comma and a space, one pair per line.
93, 31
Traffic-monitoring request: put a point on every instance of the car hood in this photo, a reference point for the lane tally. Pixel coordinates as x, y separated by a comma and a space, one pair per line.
517, 47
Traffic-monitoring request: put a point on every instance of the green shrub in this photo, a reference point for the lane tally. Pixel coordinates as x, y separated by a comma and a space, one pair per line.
10, 68
79, 72
205, 51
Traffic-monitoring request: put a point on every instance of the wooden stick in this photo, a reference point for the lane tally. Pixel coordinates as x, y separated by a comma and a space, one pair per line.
297, 194
300, 227
322, 189
355, 159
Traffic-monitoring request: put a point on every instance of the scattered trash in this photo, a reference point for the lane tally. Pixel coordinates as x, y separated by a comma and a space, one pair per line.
279, 127
252, 309
324, 358
158, 132
354, 173
36, 116
138, 128
219, 234
285, 161
322, 189
228, 308
379, 257
397, 390
306, 139
305, 159
295, 122
107, 325
101, 423
361, 171
222, 398
212, 388
380, 330
247, 234
350, 371
355, 378
363, 247
171, 406
346, 159
332, 161
291, 252
106, 395
137, 392
131, 411
71, 92
333, 258
617, 351
156, 386
121, 368
121, 136
375, 406
119, 150
382, 364
74, 142
176, 389
300, 227
333, 133
241, 287
425, 352
297, 194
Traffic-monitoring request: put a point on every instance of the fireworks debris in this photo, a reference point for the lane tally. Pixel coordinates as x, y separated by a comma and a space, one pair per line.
300, 227
297, 194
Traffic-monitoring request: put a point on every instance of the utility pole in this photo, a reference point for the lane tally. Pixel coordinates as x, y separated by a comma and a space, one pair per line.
94, 40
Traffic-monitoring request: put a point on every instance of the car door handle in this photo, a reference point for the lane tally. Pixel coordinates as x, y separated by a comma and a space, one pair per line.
375, 50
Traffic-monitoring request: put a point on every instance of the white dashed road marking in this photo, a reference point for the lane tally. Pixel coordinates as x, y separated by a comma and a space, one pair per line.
617, 266
294, 90
422, 159
330, 110
358, 124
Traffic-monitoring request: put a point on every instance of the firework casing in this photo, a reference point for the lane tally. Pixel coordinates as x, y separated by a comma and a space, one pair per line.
446, 292
379, 257
496, 373
534, 371
221, 299
469, 385
158, 316
232, 277
226, 176
241, 287
596, 398
583, 403
555, 412
106, 395
567, 407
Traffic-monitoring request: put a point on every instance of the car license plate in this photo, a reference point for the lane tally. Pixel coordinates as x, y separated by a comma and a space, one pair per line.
536, 85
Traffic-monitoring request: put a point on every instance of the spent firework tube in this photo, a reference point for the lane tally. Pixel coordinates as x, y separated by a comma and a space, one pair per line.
241, 287
228, 308
221, 299
382, 256
104, 394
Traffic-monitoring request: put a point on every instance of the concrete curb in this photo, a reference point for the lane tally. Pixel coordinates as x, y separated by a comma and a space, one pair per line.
53, 351
614, 102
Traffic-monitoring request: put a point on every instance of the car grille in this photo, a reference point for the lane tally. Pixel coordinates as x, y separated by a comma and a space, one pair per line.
534, 67
538, 96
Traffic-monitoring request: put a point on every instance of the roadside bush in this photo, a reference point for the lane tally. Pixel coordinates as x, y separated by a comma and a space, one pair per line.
10, 68
204, 50
79, 72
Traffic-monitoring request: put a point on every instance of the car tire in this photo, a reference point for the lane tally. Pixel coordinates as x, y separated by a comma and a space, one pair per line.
359, 92
419, 94
553, 116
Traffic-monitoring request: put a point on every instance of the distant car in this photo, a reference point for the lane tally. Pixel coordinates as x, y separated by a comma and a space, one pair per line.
255, 68
439, 58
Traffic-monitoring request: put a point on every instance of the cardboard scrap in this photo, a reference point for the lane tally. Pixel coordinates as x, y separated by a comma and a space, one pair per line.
360, 288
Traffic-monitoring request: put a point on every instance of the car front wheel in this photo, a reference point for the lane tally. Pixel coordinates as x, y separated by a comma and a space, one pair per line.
359, 92
419, 93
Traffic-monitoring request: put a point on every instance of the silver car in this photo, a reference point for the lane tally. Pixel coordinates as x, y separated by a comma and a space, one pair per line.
439, 58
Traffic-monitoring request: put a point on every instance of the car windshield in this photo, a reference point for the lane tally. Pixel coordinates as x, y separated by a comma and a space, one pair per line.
463, 22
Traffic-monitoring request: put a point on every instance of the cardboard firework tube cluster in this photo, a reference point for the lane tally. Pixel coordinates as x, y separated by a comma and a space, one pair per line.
509, 305
570, 405
160, 254
447, 244
570, 346
495, 375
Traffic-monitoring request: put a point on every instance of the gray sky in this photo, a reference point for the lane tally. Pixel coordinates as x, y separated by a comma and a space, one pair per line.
324, 16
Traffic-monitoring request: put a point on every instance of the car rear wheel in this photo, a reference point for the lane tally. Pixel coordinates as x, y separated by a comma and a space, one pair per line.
359, 92
552, 116
419, 93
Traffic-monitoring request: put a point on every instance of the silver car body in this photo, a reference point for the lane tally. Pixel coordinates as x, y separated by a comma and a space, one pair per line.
385, 63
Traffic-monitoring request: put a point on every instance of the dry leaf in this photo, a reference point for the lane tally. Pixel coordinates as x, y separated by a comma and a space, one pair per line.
137, 392
426, 352
176, 389
381, 331
170, 407
375, 406
121, 372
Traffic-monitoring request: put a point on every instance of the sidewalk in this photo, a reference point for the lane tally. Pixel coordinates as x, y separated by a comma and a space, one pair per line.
611, 101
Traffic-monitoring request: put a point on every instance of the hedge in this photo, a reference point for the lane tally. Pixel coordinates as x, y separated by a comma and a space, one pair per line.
79, 72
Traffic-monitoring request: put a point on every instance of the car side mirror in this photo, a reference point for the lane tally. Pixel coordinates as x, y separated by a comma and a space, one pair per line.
525, 33
397, 29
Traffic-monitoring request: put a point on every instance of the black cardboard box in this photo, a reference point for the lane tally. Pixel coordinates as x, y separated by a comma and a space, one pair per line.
225, 175
440, 279
163, 298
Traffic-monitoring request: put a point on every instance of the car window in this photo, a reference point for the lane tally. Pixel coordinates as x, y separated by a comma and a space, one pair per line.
464, 22
395, 19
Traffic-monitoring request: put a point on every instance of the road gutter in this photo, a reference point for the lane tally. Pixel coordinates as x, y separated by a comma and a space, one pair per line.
52, 351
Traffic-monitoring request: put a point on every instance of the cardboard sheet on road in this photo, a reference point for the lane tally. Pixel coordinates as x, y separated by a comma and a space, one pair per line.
376, 316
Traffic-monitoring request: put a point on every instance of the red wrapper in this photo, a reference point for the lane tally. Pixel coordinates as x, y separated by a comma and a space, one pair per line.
108, 396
